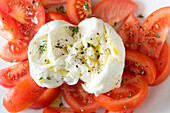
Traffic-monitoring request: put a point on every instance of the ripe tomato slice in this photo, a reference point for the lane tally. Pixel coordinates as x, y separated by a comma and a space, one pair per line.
56, 16
11, 76
140, 64
22, 95
78, 99
113, 11
29, 15
46, 99
8, 26
130, 95
78, 10
162, 65
126, 111
129, 32
52, 2
58, 110
154, 31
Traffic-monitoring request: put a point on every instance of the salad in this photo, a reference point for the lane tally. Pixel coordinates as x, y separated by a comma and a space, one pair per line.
147, 55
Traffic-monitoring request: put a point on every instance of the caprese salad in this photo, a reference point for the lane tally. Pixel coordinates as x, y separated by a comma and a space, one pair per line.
78, 53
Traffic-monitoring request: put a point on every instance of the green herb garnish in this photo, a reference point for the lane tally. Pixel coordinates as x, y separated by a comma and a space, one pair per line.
13, 61
87, 7
157, 35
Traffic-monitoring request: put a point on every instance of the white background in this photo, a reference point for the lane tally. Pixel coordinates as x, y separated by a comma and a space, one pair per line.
158, 100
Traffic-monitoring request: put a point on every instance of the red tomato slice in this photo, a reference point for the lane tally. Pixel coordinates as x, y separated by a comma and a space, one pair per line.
56, 16
78, 10
52, 2
29, 15
58, 110
46, 99
11, 76
78, 99
126, 111
129, 32
22, 95
8, 26
140, 64
154, 31
113, 11
130, 95
162, 65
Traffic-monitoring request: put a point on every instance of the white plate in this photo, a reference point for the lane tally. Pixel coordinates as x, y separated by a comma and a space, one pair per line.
158, 100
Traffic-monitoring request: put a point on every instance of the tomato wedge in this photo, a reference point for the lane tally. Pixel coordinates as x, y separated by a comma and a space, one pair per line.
162, 65
78, 99
22, 95
126, 111
154, 31
52, 2
46, 99
56, 16
11, 76
140, 64
130, 95
58, 110
113, 11
129, 32
78, 10
28, 16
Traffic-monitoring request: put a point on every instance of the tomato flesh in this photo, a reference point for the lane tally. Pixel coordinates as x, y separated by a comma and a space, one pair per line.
162, 65
58, 110
113, 11
129, 32
46, 99
134, 89
56, 16
78, 10
52, 2
11, 76
154, 31
126, 111
78, 99
22, 95
140, 64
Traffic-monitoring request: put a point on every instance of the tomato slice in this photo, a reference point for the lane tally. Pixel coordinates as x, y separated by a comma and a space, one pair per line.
56, 16
22, 95
52, 2
78, 99
11, 76
140, 64
113, 11
162, 65
46, 99
126, 111
130, 95
28, 16
154, 31
129, 32
78, 10
58, 110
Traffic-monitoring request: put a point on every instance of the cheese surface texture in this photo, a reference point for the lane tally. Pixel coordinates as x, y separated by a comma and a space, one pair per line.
92, 52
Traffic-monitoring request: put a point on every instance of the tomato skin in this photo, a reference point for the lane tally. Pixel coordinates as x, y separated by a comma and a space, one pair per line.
129, 32
56, 16
74, 7
27, 26
119, 100
112, 11
154, 31
46, 99
52, 2
57, 110
78, 99
22, 95
11, 76
126, 111
140, 64
162, 65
